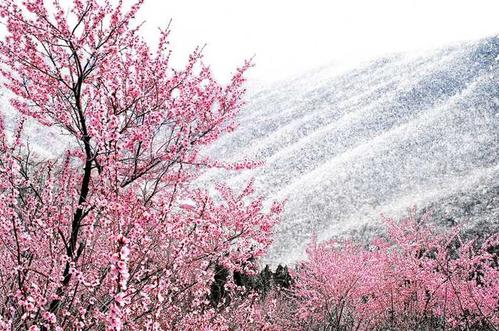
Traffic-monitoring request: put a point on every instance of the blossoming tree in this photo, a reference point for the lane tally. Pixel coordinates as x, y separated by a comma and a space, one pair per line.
417, 277
112, 234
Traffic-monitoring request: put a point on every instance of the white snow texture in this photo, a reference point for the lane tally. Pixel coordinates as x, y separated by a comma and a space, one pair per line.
402, 131
405, 130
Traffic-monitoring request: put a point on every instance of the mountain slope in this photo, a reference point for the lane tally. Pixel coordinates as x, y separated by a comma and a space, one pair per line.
401, 131
342, 148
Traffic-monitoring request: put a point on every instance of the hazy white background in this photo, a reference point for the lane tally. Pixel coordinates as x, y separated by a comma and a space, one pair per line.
288, 37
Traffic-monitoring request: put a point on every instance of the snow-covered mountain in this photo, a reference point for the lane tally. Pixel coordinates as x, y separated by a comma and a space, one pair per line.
406, 130
343, 147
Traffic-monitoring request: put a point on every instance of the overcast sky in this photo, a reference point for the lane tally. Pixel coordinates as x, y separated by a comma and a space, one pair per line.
288, 37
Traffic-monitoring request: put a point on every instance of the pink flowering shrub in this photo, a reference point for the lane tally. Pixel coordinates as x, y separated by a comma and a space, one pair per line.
415, 278
112, 235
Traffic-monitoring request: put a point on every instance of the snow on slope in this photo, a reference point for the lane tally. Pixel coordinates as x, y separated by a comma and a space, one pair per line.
344, 147
45, 142
402, 131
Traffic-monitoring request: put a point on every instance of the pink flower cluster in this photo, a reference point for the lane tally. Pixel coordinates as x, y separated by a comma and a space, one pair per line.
415, 277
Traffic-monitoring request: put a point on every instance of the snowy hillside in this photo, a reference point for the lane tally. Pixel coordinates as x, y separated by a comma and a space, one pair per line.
343, 148
401, 131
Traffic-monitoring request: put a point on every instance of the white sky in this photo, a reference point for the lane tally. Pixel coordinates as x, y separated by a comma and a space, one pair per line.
289, 37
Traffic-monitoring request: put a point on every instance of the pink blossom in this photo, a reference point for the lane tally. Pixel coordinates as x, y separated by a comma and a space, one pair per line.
101, 238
